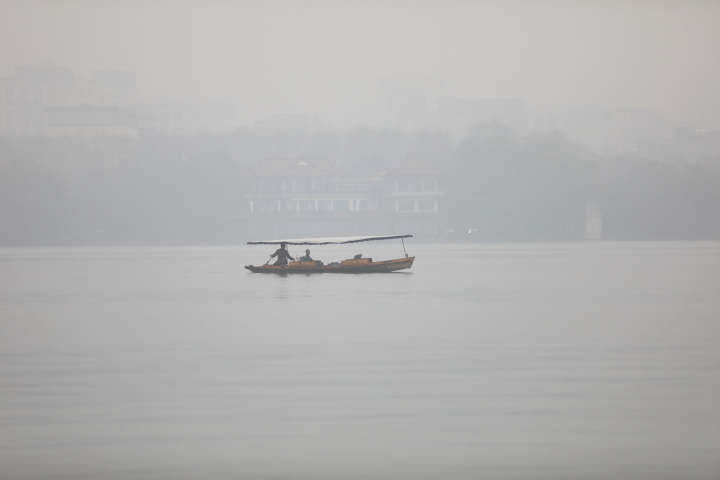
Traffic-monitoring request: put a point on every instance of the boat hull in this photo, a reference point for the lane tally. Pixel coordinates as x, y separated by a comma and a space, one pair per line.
384, 266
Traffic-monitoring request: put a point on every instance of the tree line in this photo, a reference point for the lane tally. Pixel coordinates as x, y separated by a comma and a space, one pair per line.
191, 190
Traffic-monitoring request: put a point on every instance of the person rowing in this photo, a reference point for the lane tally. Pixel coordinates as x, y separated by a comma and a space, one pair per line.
282, 255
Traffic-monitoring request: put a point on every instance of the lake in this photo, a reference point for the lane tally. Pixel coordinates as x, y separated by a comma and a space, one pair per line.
503, 361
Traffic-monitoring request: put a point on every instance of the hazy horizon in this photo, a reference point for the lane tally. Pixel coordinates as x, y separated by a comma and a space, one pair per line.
526, 120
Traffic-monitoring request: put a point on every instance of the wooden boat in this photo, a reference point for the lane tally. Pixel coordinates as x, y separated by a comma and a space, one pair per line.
351, 265
345, 266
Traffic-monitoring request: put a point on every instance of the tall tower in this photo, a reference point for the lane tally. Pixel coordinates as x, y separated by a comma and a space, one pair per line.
593, 221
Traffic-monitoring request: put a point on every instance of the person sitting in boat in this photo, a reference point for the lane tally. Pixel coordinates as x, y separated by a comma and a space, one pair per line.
282, 255
306, 257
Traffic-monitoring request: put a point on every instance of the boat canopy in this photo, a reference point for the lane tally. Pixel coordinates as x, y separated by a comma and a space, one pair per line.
327, 240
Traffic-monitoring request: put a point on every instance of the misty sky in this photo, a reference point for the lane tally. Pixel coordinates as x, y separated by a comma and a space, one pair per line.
342, 59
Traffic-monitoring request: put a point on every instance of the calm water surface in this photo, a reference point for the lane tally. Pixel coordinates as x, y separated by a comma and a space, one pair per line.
557, 361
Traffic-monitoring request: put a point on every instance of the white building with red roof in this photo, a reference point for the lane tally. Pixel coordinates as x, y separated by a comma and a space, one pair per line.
310, 197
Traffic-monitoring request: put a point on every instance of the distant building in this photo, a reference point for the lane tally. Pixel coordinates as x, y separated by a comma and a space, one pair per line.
608, 131
90, 121
39, 101
593, 222
460, 114
298, 197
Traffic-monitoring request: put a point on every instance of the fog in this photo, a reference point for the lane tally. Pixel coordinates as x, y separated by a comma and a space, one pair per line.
171, 122
342, 62
555, 312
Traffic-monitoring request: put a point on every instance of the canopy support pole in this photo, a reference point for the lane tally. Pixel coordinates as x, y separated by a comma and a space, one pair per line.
403, 242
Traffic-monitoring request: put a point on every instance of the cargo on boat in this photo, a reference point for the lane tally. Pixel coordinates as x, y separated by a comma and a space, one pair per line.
358, 264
